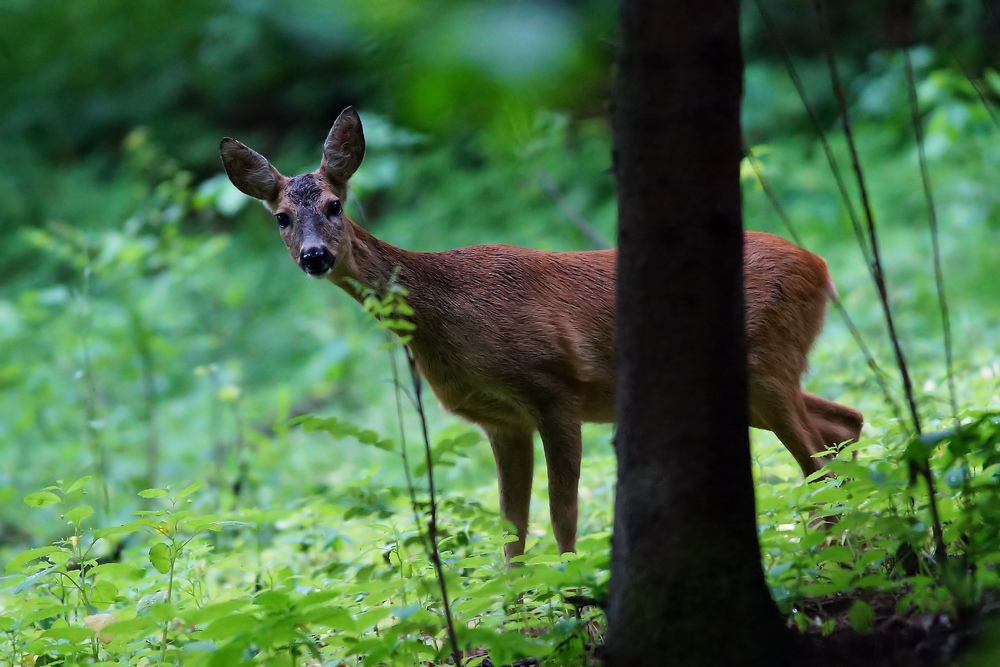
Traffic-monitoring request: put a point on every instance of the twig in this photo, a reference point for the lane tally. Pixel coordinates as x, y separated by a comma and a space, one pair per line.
432, 522
793, 74
221, 448
879, 275
90, 395
148, 370
402, 448
923, 468
976, 86
932, 223
586, 228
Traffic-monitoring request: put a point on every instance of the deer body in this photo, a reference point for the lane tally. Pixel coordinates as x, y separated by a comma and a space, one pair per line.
518, 340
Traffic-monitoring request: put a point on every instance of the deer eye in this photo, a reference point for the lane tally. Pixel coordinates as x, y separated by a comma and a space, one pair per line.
334, 209
283, 219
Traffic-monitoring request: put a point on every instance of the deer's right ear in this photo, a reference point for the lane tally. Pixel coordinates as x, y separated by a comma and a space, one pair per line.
250, 171
344, 148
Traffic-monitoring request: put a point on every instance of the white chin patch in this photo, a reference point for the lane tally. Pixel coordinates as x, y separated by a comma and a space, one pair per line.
318, 276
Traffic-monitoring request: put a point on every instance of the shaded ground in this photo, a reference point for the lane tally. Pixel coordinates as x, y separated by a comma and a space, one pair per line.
907, 639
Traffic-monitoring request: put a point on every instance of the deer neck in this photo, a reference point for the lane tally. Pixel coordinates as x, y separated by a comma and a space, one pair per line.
375, 264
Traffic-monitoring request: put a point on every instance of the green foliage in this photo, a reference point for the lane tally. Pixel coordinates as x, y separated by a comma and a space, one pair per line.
882, 538
196, 588
232, 429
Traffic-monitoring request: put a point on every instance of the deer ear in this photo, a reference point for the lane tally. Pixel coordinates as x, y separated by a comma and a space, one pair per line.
344, 148
250, 171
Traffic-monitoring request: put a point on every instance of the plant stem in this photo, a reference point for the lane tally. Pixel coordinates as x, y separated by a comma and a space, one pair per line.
922, 468
432, 523
90, 397
170, 589
932, 223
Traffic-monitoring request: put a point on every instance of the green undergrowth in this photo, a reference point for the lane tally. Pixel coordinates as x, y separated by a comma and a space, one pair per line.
155, 337
342, 577
330, 580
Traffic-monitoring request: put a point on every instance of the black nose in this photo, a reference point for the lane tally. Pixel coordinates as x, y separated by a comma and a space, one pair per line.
316, 261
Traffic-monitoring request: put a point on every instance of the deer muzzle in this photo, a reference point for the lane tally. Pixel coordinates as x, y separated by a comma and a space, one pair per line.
317, 261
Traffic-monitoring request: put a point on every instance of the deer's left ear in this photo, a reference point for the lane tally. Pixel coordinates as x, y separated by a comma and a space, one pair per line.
250, 171
344, 148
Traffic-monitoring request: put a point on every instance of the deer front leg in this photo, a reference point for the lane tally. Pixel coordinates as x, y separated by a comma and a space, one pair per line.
514, 453
560, 433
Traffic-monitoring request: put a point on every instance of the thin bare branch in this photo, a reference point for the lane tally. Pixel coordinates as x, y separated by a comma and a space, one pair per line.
432, 522
399, 390
793, 74
879, 274
586, 228
932, 222
923, 468
977, 86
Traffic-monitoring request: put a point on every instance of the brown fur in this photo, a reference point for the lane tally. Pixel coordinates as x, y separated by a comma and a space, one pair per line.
519, 340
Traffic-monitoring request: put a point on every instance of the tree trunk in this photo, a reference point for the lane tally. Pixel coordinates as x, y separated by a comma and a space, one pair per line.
686, 586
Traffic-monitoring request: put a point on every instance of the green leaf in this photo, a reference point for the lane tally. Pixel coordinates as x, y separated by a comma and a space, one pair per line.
42, 499
148, 602
272, 600
931, 439
861, 616
188, 490
117, 571
26, 557
69, 633
129, 527
159, 556
103, 593
154, 493
871, 558
30, 581
163, 612
956, 477
78, 514
916, 451
335, 618
77, 484
993, 79
230, 626
132, 628
837, 554
211, 612
403, 613
341, 429
45, 612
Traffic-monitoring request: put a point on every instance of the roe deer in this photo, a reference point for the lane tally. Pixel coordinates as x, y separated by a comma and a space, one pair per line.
519, 340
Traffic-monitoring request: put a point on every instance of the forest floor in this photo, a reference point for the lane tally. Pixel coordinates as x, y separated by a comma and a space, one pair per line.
907, 638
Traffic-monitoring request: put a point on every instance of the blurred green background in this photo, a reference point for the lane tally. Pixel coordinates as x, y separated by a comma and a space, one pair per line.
153, 331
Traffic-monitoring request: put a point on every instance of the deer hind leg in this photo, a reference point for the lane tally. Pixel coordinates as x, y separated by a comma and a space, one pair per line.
838, 424
514, 453
783, 412
560, 432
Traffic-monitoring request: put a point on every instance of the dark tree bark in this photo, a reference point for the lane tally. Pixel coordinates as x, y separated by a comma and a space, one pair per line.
686, 586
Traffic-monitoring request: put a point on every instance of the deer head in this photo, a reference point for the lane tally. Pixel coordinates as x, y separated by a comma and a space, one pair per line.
309, 208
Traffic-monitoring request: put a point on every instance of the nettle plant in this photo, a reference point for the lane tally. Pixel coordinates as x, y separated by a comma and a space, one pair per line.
66, 586
883, 539
357, 576
347, 578
195, 589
